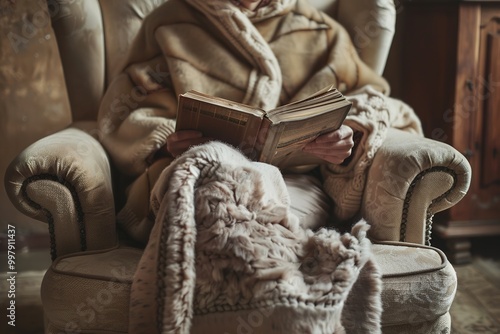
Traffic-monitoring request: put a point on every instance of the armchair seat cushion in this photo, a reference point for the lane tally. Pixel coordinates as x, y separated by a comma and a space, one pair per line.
90, 291
419, 284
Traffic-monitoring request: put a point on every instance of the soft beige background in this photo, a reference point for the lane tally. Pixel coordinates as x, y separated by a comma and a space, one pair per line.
33, 100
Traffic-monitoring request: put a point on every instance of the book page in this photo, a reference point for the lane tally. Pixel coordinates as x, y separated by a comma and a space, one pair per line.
329, 95
292, 136
304, 112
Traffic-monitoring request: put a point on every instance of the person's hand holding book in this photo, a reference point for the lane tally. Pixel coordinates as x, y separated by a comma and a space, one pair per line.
181, 141
275, 136
333, 147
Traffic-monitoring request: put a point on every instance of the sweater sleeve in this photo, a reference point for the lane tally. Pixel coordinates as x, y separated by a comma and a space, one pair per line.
138, 110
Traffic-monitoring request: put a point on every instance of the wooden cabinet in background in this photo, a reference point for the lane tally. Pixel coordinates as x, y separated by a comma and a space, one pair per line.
449, 72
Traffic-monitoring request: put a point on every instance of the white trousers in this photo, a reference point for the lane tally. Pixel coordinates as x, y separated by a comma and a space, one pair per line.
308, 200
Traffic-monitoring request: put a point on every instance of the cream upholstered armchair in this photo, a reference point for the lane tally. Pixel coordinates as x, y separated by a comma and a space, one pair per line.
67, 181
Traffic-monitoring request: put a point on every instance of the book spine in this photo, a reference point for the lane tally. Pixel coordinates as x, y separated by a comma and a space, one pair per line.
249, 144
271, 141
261, 138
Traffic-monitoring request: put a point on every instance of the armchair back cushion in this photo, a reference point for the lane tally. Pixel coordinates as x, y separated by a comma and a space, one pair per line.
94, 35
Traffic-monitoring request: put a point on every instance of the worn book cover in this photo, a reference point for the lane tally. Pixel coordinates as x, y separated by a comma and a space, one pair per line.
276, 136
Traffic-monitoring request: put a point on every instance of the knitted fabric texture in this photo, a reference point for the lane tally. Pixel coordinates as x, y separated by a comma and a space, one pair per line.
225, 244
372, 114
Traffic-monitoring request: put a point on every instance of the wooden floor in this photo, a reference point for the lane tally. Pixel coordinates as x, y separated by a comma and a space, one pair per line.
476, 308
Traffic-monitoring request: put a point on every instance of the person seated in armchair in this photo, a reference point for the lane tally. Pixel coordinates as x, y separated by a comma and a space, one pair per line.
263, 53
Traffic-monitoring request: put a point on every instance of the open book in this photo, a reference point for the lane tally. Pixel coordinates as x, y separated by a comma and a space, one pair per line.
276, 136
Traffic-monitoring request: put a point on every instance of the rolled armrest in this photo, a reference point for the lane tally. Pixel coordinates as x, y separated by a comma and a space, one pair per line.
64, 180
411, 179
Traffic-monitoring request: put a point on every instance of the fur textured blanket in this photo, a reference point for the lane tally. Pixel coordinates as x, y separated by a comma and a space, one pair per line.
227, 256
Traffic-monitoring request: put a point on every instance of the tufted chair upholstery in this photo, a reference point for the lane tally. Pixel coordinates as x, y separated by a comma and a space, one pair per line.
67, 181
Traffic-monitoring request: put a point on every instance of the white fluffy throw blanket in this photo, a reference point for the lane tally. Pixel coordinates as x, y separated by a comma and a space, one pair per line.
227, 256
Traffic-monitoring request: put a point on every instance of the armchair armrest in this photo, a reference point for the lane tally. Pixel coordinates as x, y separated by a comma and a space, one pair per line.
411, 179
64, 180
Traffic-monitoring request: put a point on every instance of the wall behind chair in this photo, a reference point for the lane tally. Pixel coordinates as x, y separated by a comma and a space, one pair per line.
33, 99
